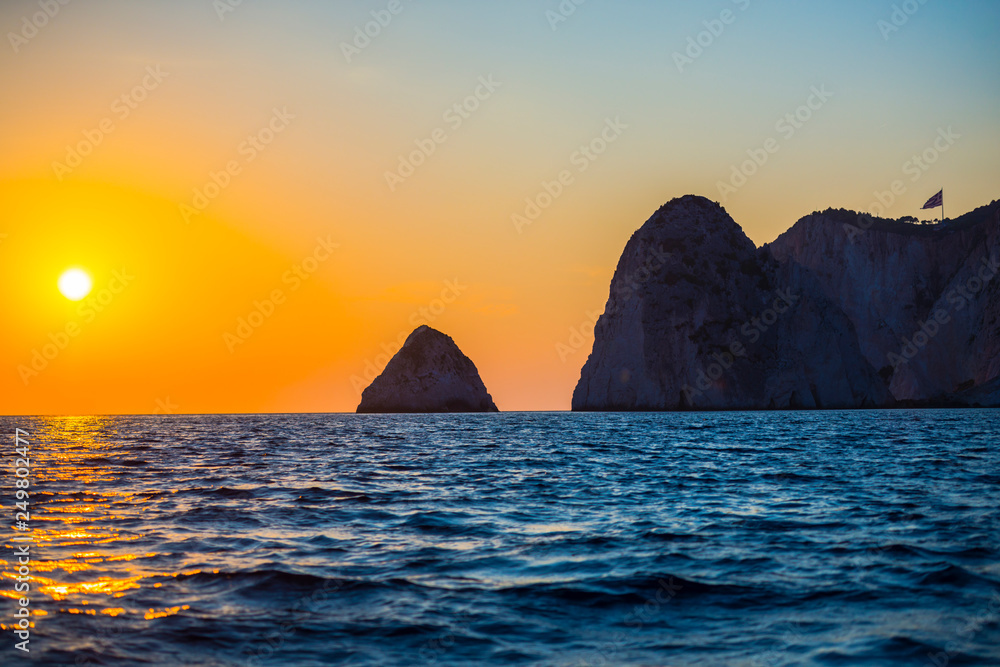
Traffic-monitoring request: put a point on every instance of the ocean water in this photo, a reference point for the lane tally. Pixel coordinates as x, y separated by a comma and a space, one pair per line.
758, 539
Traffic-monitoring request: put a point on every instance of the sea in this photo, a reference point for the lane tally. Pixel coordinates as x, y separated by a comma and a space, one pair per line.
744, 538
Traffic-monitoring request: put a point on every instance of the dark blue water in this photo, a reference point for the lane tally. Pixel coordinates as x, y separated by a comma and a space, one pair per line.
824, 538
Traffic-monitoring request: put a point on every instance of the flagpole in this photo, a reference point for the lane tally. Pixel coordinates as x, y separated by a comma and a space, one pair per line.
942, 206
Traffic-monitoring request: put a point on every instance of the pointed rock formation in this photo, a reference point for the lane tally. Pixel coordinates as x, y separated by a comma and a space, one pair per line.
428, 374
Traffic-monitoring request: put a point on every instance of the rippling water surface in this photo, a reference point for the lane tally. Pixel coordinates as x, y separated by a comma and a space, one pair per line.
823, 538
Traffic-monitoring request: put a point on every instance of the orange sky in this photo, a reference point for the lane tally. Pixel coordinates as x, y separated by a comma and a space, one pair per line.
261, 111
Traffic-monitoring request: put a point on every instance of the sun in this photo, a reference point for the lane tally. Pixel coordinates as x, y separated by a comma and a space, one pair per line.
75, 284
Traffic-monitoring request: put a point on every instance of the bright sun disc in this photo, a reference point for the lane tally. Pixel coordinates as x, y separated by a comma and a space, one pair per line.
75, 284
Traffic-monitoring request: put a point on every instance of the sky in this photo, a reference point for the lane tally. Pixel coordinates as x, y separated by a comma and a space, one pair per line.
269, 196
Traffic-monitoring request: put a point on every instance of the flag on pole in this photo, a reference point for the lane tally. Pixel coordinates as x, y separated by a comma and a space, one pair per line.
935, 201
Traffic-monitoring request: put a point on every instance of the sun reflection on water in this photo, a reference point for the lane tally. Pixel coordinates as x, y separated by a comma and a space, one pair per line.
81, 561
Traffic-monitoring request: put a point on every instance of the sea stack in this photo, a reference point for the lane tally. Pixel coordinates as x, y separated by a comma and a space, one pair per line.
428, 374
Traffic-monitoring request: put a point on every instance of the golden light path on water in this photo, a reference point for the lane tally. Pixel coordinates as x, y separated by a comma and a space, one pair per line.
77, 554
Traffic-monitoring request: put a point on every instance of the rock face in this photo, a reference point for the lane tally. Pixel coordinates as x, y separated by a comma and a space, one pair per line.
699, 318
428, 374
924, 299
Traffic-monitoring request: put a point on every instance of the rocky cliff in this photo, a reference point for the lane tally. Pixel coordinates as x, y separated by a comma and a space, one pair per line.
428, 374
699, 318
923, 298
